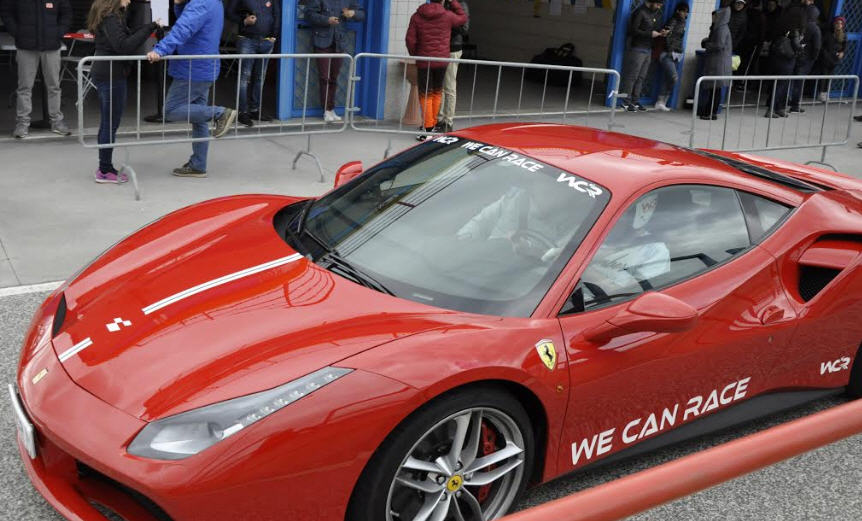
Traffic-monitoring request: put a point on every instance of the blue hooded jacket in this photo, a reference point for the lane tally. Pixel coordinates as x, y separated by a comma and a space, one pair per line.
197, 31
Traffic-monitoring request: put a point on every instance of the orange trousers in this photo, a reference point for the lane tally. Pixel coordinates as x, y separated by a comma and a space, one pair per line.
430, 107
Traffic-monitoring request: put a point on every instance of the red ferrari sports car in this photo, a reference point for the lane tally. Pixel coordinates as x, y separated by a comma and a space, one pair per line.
485, 311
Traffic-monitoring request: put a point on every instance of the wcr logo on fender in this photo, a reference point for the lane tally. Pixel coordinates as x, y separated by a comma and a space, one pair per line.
842, 364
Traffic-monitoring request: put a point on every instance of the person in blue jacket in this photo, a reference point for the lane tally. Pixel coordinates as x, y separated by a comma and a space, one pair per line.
197, 31
259, 24
327, 18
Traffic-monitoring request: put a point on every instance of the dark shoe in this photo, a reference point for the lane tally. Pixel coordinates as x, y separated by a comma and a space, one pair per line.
640, 107
631, 107
797, 110
154, 118
781, 113
770, 114
858, 118
257, 115
859, 145
21, 131
428, 131
187, 171
245, 119
224, 123
59, 127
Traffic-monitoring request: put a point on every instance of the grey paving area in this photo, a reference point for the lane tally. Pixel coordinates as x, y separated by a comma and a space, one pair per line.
820, 485
54, 219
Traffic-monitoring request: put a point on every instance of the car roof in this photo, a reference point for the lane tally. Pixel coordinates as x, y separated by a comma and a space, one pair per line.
622, 163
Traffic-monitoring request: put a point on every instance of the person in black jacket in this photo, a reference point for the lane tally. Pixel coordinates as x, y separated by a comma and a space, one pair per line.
259, 24
812, 41
645, 26
107, 22
673, 53
831, 53
38, 29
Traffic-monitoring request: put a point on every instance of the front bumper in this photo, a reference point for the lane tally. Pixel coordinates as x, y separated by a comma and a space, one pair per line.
299, 463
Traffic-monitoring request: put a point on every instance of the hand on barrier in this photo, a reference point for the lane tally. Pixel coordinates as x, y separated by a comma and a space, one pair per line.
153, 57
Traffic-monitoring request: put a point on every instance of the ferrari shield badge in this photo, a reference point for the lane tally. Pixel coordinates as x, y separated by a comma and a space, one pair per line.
547, 352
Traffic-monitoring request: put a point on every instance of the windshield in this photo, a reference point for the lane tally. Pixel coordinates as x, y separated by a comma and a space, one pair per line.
457, 224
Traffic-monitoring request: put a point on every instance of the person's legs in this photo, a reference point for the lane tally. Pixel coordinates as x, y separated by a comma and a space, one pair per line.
327, 76
51, 74
259, 74
201, 126
183, 102
671, 76
450, 90
112, 99
245, 46
640, 79
28, 65
631, 68
802, 69
332, 85
439, 77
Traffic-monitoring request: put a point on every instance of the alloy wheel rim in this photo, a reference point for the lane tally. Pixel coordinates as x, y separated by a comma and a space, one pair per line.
448, 467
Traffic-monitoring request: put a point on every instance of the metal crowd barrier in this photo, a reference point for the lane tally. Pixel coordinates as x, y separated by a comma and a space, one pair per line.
175, 132
650, 488
488, 91
753, 113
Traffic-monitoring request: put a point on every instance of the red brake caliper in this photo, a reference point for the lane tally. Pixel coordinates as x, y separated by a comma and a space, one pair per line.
489, 445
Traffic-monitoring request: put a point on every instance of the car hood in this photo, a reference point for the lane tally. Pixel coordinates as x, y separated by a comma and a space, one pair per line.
209, 303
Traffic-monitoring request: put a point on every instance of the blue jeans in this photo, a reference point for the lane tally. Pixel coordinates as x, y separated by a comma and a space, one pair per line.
187, 101
253, 71
112, 100
671, 76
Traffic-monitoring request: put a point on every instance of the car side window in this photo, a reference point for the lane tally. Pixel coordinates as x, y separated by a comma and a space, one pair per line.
667, 235
763, 214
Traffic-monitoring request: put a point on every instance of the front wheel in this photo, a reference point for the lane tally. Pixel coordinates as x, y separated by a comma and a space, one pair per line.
464, 457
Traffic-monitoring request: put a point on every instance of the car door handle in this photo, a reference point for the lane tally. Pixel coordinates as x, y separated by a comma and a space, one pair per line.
771, 314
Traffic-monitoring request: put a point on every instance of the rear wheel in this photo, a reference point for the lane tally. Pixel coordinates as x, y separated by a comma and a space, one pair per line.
464, 457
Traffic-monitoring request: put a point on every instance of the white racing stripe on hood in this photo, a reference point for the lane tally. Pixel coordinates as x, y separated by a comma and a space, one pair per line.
75, 349
218, 282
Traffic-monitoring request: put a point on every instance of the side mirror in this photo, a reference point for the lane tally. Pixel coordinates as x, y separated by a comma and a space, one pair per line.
649, 312
347, 172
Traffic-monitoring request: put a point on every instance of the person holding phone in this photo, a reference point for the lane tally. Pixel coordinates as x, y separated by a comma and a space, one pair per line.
259, 24
327, 18
644, 27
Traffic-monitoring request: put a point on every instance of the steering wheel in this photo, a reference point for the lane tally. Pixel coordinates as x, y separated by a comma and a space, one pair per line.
531, 243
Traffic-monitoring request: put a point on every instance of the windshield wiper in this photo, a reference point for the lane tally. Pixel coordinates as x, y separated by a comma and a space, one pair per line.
334, 259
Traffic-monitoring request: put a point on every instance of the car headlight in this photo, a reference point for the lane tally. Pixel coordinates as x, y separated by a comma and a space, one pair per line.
188, 433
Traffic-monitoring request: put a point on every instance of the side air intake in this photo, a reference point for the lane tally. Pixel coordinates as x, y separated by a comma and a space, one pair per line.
824, 260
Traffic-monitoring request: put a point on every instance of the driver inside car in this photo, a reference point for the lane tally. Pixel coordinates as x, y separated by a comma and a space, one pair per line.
630, 256
519, 217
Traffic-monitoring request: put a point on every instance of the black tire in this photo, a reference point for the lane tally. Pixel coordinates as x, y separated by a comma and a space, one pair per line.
854, 388
369, 499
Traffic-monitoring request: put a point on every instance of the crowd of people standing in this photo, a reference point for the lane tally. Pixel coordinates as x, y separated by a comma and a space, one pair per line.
747, 37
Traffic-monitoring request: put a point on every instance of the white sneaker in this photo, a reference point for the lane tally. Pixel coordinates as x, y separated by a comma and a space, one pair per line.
330, 116
661, 105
